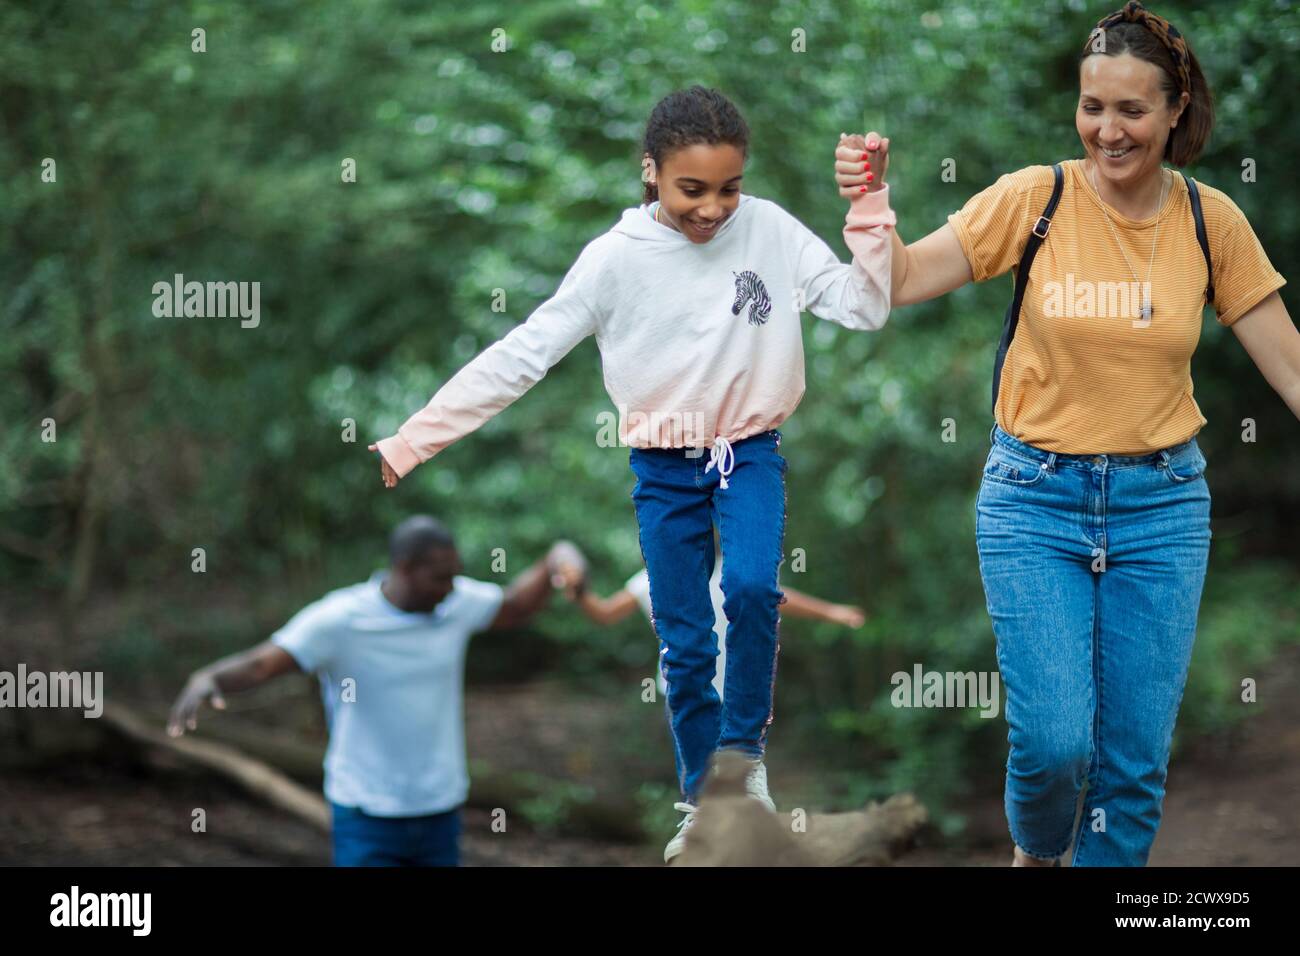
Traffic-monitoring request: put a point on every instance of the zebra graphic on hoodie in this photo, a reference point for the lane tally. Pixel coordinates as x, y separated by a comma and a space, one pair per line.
750, 288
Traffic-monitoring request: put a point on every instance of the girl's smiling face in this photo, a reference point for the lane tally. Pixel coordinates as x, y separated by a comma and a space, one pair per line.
1124, 118
699, 188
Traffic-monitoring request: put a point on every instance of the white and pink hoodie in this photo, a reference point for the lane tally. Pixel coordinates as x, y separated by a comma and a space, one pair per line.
701, 343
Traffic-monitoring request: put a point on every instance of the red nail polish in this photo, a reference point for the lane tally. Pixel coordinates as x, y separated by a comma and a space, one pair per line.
865, 167
870, 177
862, 189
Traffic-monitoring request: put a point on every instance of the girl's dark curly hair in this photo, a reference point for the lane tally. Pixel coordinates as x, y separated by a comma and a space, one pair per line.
687, 117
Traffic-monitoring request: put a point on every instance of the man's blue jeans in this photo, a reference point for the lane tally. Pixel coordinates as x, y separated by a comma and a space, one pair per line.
1092, 567
361, 839
677, 500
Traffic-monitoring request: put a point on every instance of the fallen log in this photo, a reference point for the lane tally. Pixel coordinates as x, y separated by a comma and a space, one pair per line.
732, 829
600, 816
257, 778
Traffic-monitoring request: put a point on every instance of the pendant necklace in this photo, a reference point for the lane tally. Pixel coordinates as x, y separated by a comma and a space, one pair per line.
1147, 311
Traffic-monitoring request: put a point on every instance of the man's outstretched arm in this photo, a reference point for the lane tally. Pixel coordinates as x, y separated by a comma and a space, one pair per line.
230, 675
531, 590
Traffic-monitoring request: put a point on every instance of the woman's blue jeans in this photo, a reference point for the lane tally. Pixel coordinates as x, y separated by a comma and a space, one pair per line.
1092, 567
677, 499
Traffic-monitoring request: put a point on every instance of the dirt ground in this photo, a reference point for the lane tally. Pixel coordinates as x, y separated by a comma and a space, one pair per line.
1231, 801
108, 816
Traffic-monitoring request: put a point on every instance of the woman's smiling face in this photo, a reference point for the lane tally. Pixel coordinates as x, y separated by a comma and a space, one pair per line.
699, 188
1123, 118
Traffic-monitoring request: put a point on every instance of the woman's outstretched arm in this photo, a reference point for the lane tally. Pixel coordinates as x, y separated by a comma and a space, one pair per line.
1270, 338
929, 267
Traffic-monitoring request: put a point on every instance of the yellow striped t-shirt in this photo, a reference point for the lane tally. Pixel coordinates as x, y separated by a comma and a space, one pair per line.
1085, 373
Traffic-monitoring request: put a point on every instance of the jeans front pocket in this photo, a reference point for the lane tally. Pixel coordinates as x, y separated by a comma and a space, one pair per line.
1008, 468
1183, 465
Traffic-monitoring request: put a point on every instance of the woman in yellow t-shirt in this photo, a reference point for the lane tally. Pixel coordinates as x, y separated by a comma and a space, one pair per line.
1092, 520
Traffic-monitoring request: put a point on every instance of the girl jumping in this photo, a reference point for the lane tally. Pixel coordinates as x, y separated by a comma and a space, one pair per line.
695, 299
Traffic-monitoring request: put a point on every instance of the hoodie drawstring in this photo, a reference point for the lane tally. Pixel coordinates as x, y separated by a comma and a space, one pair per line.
722, 456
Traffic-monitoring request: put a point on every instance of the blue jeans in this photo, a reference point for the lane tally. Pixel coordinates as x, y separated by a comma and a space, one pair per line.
1092, 569
677, 500
364, 840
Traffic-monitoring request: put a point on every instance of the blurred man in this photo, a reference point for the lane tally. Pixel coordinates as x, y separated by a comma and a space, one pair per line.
390, 656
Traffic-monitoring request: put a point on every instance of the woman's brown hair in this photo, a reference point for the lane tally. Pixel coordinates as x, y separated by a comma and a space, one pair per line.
1188, 138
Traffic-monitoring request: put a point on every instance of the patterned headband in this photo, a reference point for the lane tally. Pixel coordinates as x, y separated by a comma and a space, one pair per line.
1165, 32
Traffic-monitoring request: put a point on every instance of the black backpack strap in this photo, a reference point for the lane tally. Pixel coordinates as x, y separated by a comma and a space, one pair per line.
1194, 195
1036, 237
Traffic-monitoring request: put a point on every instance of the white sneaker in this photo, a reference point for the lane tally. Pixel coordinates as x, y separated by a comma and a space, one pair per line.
756, 785
678, 842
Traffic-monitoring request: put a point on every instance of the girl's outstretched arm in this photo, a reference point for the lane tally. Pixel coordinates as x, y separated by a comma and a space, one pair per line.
499, 375
855, 295
927, 268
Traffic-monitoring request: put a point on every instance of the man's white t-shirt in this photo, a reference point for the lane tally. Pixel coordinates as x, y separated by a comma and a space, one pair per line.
393, 686
639, 587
